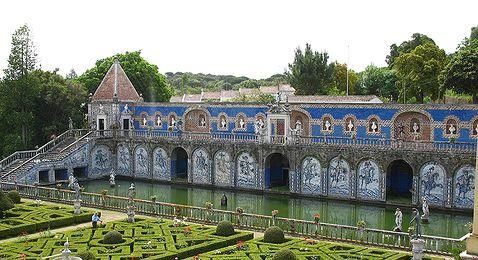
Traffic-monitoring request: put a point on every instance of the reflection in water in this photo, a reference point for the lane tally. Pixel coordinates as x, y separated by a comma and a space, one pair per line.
441, 224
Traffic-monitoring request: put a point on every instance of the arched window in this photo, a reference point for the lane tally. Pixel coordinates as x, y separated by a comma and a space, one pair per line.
350, 124
373, 126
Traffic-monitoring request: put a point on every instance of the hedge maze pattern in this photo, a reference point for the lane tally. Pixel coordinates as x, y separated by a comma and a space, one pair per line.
27, 218
304, 249
144, 239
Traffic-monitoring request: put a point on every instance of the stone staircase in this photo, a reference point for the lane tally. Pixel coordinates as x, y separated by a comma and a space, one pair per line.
70, 143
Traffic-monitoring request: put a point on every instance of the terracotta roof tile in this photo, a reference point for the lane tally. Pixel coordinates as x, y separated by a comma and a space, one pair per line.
116, 81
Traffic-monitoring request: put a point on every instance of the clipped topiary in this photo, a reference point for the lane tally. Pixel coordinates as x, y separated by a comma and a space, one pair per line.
14, 196
274, 235
87, 255
284, 254
113, 237
5, 203
225, 229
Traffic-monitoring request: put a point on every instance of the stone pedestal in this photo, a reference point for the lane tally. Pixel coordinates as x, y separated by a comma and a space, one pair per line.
130, 212
417, 248
77, 206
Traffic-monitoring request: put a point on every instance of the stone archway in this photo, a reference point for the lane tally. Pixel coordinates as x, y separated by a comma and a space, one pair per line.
277, 172
179, 164
399, 181
412, 126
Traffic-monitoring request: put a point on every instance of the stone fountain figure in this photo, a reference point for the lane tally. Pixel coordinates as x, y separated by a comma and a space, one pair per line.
112, 179
71, 180
398, 220
77, 200
131, 207
417, 241
426, 210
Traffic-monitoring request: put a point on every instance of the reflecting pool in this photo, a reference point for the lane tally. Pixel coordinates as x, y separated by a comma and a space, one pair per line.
331, 211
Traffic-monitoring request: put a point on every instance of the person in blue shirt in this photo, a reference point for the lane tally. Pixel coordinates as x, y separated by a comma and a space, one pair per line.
94, 220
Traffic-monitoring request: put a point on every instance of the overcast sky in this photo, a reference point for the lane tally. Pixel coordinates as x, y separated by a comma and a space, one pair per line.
250, 38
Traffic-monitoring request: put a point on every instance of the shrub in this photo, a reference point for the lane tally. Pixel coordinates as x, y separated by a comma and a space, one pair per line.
274, 235
284, 254
5, 203
14, 196
225, 229
113, 237
86, 255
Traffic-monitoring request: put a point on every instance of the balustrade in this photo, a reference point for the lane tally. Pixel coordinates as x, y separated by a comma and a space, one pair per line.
369, 236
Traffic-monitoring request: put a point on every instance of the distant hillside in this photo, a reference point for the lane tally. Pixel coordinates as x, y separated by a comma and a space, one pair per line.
189, 83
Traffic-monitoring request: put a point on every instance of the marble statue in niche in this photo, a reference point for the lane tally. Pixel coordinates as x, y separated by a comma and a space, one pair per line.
475, 128
145, 120
158, 120
223, 122
242, 124
298, 125
160, 164
373, 126
415, 126
432, 179
451, 127
326, 124
101, 159
141, 161
201, 166
339, 177
172, 121
311, 176
464, 187
123, 160
222, 169
202, 121
369, 177
246, 171
350, 125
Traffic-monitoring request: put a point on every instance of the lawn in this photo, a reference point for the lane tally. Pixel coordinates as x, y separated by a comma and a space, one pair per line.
30, 217
144, 239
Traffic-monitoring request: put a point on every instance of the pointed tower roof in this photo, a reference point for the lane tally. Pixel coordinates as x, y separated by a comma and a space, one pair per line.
116, 85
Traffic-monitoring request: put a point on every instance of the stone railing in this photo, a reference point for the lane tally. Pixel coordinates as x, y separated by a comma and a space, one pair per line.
294, 227
292, 140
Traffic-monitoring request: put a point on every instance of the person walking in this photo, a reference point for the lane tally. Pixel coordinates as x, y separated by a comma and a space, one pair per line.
94, 220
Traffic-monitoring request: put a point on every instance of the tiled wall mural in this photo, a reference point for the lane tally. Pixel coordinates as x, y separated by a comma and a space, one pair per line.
80, 156
432, 180
100, 160
464, 186
246, 171
201, 167
311, 176
124, 160
223, 169
369, 177
141, 162
339, 177
161, 168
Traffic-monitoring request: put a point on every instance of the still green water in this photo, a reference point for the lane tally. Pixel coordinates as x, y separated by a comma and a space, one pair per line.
331, 211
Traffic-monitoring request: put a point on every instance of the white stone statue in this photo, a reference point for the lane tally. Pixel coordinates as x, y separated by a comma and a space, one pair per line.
203, 122
223, 122
71, 180
173, 122
327, 125
112, 179
278, 97
476, 129
131, 191
145, 121
125, 109
261, 123
374, 127
398, 220
70, 123
131, 213
350, 126
298, 125
426, 211
416, 128
452, 129
241, 123
158, 120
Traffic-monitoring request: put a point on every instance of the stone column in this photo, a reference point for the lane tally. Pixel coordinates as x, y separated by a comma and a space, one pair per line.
472, 241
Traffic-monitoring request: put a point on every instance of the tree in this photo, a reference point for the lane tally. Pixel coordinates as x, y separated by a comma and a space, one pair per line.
378, 81
5, 203
18, 88
418, 72
474, 33
310, 73
461, 72
145, 76
407, 46
339, 79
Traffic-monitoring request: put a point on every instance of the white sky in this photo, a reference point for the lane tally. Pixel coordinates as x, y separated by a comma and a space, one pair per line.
242, 37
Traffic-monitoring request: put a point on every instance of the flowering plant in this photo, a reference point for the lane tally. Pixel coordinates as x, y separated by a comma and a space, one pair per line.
316, 218
187, 230
240, 245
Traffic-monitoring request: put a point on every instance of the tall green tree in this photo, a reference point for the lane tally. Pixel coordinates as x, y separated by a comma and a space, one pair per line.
339, 79
310, 73
418, 72
378, 81
19, 89
461, 72
407, 46
145, 76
